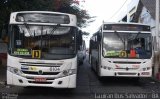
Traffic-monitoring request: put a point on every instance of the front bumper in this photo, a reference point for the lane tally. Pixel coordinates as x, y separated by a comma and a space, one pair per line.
147, 73
64, 82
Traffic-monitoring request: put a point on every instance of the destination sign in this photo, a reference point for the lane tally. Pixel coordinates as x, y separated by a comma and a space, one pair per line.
22, 51
126, 27
43, 18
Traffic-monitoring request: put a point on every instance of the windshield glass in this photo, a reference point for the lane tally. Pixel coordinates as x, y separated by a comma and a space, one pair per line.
44, 42
127, 45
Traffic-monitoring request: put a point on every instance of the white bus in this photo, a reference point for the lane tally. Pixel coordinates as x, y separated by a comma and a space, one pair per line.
122, 50
43, 49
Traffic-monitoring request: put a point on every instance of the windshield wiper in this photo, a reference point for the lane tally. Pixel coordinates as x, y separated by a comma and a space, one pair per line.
54, 29
137, 35
118, 35
123, 41
27, 27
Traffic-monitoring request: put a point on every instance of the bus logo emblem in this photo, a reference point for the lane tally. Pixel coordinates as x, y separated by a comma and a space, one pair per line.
36, 53
127, 68
40, 72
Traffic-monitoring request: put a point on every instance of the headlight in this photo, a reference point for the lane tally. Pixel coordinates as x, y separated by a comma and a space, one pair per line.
146, 68
106, 67
14, 70
69, 72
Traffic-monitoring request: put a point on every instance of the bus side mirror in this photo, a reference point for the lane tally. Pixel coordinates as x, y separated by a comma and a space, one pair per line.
99, 37
79, 40
153, 47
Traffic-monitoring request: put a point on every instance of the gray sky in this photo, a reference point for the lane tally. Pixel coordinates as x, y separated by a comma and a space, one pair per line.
107, 10
104, 10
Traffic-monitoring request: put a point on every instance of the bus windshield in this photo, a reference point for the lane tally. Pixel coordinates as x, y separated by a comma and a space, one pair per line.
127, 45
51, 42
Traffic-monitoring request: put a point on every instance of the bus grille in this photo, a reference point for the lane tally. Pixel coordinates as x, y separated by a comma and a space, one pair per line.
41, 64
121, 62
120, 73
47, 78
127, 69
44, 73
35, 82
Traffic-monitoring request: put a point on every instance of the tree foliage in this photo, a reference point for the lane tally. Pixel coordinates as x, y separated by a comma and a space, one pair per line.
65, 6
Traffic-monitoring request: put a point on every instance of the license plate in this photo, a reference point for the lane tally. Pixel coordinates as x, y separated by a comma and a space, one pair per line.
40, 79
145, 73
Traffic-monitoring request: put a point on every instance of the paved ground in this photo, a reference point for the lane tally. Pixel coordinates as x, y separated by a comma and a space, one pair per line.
88, 87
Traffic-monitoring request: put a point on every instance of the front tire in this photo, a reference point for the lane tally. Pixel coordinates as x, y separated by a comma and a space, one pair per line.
98, 70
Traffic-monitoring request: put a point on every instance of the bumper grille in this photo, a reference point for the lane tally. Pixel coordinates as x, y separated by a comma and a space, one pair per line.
40, 82
44, 73
123, 62
127, 73
41, 64
47, 78
127, 69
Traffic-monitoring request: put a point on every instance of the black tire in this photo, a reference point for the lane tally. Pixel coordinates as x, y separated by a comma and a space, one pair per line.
28, 87
80, 63
137, 79
97, 69
92, 65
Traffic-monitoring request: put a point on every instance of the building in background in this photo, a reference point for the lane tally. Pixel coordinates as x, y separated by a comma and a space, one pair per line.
130, 11
142, 11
